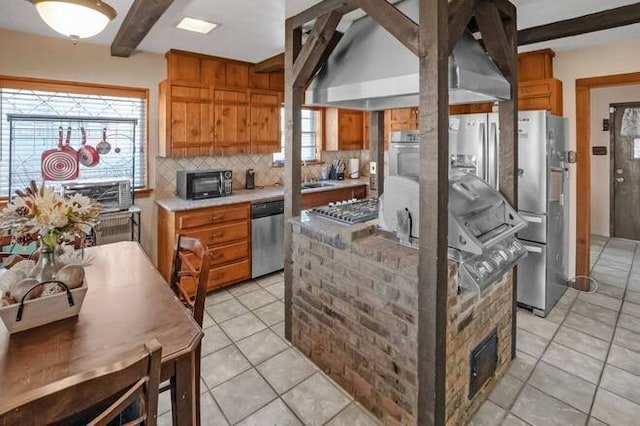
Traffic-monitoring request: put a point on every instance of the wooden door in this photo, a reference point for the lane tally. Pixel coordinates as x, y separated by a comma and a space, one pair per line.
625, 170
350, 130
191, 130
230, 121
265, 123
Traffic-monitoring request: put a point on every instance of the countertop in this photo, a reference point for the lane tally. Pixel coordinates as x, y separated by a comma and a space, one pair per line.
266, 193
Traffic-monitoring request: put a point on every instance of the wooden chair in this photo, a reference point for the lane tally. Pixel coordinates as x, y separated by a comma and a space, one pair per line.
95, 397
191, 261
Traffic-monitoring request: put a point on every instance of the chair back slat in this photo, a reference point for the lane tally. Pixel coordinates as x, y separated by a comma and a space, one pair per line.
191, 259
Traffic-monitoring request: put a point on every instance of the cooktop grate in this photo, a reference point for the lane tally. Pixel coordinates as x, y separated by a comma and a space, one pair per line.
349, 211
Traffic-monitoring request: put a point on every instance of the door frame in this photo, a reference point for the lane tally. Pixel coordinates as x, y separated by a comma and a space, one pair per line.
612, 151
583, 148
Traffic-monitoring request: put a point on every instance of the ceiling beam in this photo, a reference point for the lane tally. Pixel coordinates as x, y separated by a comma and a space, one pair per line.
315, 48
274, 63
341, 6
607, 19
399, 25
142, 16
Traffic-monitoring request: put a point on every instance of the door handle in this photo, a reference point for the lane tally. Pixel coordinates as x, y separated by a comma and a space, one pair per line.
532, 249
619, 179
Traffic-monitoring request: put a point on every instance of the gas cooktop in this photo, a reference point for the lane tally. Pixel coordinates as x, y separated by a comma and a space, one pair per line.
349, 211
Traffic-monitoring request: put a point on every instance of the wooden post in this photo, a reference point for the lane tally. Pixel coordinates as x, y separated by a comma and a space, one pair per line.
293, 98
434, 196
508, 148
376, 148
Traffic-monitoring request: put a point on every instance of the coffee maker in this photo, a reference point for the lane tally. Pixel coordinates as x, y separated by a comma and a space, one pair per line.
250, 179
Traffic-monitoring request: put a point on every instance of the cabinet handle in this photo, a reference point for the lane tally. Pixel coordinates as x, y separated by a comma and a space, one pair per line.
214, 218
217, 256
218, 235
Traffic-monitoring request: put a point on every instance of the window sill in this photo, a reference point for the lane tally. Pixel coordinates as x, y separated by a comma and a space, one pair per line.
138, 193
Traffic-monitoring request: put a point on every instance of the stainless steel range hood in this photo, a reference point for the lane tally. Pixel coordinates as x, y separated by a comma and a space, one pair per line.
370, 70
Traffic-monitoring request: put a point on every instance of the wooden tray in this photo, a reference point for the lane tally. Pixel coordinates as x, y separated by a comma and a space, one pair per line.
43, 310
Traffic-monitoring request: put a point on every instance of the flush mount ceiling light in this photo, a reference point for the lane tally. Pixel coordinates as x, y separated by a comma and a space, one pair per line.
75, 18
196, 25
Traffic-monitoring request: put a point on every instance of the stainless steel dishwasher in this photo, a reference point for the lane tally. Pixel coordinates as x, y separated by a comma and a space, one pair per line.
267, 237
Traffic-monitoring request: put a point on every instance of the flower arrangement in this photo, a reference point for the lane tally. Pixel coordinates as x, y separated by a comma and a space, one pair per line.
40, 212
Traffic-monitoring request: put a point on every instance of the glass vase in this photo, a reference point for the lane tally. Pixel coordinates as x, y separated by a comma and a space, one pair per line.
47, 265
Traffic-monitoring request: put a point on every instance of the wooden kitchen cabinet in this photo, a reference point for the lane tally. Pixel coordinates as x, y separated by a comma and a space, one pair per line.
541, 94
185, 120
224, 230
399, 119
320, 198
537, 65
230, 121
343, 129
265, 122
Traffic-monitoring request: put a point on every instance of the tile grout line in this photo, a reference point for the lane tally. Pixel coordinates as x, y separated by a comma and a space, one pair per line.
615, 327
538, 360
254, 367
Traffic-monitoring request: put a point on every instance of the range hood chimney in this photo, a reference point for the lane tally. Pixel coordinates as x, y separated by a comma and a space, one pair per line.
370, 70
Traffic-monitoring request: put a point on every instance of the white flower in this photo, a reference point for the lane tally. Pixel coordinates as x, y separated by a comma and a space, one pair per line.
80, 204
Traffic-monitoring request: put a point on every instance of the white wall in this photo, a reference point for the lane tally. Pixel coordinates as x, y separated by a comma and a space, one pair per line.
595, 61
27, 55
600, 170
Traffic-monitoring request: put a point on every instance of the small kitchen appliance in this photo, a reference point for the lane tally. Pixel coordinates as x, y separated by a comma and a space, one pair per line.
112, 195
201, 184
250, 179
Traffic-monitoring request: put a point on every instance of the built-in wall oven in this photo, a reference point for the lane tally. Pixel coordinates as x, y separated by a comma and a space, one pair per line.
404, 154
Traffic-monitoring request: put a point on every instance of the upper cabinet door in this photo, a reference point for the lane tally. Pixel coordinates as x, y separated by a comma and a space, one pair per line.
265, 123
344, 130
230, 121
191, 132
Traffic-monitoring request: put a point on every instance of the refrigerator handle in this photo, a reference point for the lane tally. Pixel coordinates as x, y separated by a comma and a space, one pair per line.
532, 249
482, 133
493, 166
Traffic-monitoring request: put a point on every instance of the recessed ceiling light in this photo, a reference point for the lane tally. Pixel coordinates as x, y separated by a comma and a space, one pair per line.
196, 25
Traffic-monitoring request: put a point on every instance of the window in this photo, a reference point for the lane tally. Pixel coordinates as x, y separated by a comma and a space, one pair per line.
22, 141
311, 135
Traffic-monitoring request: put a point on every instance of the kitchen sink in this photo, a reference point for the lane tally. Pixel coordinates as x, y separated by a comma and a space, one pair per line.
316, 185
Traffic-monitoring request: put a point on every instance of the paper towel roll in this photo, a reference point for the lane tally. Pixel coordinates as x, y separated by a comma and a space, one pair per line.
354, 168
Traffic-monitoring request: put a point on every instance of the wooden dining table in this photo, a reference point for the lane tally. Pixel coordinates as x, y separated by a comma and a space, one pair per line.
127, 304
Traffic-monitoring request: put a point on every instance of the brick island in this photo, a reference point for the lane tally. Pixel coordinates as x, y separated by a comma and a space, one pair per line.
355, 310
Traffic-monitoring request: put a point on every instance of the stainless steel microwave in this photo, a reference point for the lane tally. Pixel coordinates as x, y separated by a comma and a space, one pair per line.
201, 184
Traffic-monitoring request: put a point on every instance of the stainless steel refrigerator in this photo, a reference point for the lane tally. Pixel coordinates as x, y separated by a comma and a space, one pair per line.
543, 202
542, 193
473, 145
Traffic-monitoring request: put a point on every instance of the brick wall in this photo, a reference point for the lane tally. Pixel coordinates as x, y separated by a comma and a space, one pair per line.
355, 315
468, 323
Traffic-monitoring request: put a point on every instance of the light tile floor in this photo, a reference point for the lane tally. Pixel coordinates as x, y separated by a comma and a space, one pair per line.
581, 364
578, 366
252, 376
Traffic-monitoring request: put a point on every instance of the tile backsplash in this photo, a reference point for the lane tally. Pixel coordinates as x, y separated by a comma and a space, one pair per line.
265, 173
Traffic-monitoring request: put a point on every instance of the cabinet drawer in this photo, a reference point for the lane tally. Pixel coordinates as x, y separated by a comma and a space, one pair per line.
537, 88
229, 252
216, 235
227, 274
529, 104
214, 216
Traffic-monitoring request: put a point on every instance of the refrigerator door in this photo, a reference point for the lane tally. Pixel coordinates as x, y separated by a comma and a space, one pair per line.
467, 143
536, 229
532, 276
532, 161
